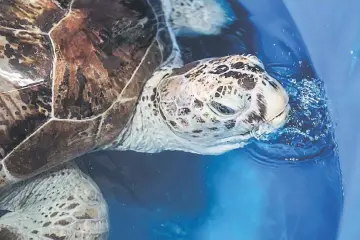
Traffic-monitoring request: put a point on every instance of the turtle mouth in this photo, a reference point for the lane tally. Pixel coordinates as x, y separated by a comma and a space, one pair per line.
281, 118
279, 115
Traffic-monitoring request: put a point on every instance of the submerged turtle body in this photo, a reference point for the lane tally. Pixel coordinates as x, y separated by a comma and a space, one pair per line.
70, 75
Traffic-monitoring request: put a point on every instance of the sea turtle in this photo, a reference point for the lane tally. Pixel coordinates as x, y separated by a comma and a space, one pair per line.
85, 75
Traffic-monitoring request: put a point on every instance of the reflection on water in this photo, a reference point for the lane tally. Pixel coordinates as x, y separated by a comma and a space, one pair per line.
260, 192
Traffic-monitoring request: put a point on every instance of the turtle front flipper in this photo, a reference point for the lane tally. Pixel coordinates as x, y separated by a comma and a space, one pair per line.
61, 204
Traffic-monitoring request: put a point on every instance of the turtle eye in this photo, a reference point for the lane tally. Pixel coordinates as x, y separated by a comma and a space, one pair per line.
222, 109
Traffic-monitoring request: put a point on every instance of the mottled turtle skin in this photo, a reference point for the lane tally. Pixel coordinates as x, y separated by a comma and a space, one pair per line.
71, 73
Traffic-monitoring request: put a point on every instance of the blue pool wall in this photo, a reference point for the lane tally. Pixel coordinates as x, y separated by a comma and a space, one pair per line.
331, 31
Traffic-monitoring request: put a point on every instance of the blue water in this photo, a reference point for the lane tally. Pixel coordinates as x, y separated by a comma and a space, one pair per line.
335, 50
288, 186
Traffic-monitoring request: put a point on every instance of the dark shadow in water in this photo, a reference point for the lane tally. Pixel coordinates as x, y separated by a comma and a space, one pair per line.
131, 177
237, 38
148, 192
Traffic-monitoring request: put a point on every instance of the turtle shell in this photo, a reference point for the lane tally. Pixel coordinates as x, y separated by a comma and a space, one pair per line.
70, 75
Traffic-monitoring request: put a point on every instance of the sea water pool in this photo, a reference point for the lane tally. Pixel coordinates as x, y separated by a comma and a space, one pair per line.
243, 194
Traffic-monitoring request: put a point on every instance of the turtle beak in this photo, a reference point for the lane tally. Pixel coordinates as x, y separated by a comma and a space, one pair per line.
277, 103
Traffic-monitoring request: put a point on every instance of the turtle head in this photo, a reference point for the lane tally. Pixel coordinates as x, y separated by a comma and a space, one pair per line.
216, 105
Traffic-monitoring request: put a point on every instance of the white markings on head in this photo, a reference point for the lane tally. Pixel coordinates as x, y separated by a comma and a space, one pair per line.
221, 101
